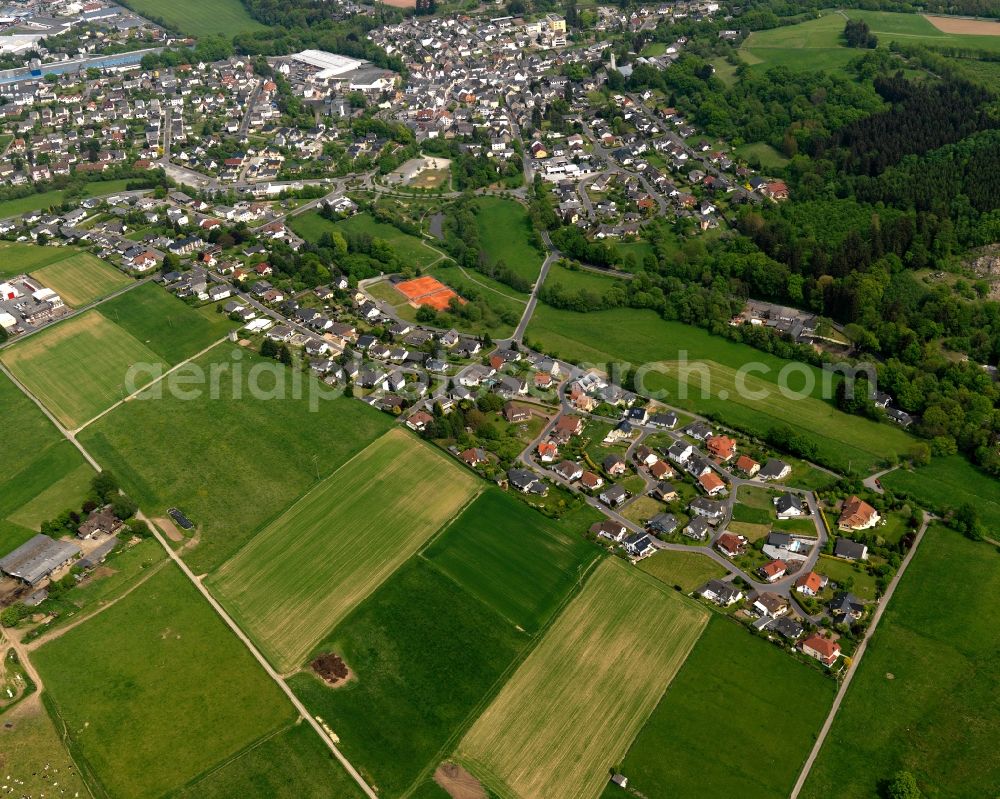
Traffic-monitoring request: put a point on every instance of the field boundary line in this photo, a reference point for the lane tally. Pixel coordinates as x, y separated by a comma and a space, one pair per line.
76, 312
52, 635
219, 610
152, 383
199, 778
504, 677
856, 661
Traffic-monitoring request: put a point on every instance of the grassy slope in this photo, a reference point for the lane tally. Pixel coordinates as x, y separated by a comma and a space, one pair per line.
255, 456
425, 654
505, 235
637, 337
45, 200
948, 483
409, 249
516, 560
924, 697
738, 720
573, 706
305, 572
155, 689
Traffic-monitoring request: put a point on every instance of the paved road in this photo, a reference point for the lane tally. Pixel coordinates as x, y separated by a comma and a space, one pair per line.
551, 258
842, 692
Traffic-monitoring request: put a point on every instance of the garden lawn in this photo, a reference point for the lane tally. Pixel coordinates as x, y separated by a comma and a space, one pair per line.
505, 234
573, 706
924, 698
81, 278
728, 682
638, 338
946, 484
848, 575
689, 570
79, 367
519, 562
307, 570
425, 656
156, 690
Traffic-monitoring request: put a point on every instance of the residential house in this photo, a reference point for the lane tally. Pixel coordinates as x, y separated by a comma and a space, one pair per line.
810, 584
773, 570
730, 544
774, 470
790, 506
857, 514
721, 593
822, 649
747, 465
850, 550
613, 495
770, 604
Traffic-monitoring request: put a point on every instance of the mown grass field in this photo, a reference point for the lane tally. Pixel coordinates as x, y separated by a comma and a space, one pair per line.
505, 234
502, 299
689, 570
425, 655
409, 249
194, 18
78, 367
948, 483
308, 569
18, 258
37, 461
66, 492
155, 690
573, 706
769, 705
843, 442
818, 43
924, 699
34, 757
165, 324
256, 453
516, 560
81, 278
293, 764
762, 153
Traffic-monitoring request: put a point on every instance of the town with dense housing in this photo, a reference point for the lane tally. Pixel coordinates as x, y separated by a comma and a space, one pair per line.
453, 399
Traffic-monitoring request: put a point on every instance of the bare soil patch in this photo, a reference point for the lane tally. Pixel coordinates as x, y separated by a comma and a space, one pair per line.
973, 27
169, 528
331, 669
458, 782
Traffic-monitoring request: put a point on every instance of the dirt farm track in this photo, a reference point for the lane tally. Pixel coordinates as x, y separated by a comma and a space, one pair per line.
960, 25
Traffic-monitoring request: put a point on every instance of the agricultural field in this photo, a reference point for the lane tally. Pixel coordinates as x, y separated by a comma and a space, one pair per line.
81, 278
308, 569
771, 705
689, 570
165, 324
424, 656
78, 367
409, 249
242, 438
292, 764
40, 473
194, 18
924, 697
947, 484
818, 43
848, 443
18, 258
33, 758
155, 690
571, 709
519, 562
505, 234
